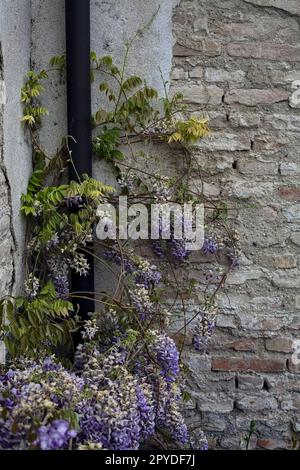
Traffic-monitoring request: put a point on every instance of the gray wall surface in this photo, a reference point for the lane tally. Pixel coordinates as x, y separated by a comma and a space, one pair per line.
15, 40
112, 24
15, 154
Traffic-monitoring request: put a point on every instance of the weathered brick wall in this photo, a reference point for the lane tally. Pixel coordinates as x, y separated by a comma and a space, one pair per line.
236, 61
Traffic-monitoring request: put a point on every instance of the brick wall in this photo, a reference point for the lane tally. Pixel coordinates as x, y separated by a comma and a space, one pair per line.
237, 61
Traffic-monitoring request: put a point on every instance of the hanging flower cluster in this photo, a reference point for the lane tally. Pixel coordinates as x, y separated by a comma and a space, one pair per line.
166, 355
44, 406
36, 399
206, 320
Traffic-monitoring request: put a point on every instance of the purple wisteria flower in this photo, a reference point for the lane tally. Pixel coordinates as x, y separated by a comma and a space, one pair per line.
201, 343
53, 242
141, 270
198, 440
50, 365
158, 249
146, 274
146, 410
210, 246
32, 287
61, 284
204, 328
174, 246
116, 409
141, 301
113, 255
43, 387
59, 274
234, 259
55, 435
8, 440
168, 415
166, 355
114, 419
178, 249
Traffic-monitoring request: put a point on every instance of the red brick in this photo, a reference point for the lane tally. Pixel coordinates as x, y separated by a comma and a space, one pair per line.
264, 51
295, 368
247, 364
243, 345
272, 444
253, 30
289, 193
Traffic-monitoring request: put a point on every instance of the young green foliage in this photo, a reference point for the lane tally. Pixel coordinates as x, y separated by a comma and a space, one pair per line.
27, 326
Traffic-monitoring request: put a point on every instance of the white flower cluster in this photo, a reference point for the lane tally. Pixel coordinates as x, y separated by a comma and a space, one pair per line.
80, 264
91, 446
90, 329
38, 207
161, 188
144, 265
141, 301
127, 181
35, 386
88, 238
32, 286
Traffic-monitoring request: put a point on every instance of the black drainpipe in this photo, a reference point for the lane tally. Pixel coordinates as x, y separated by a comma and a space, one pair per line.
79, 118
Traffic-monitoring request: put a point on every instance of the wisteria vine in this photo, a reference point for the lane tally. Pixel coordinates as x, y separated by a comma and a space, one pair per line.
123, 390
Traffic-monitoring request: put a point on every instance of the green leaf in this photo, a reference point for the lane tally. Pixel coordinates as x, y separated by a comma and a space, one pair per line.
93, 56
131, 83
10, 345
48, 290
103, 86
9, 310
107, 60
186, 396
